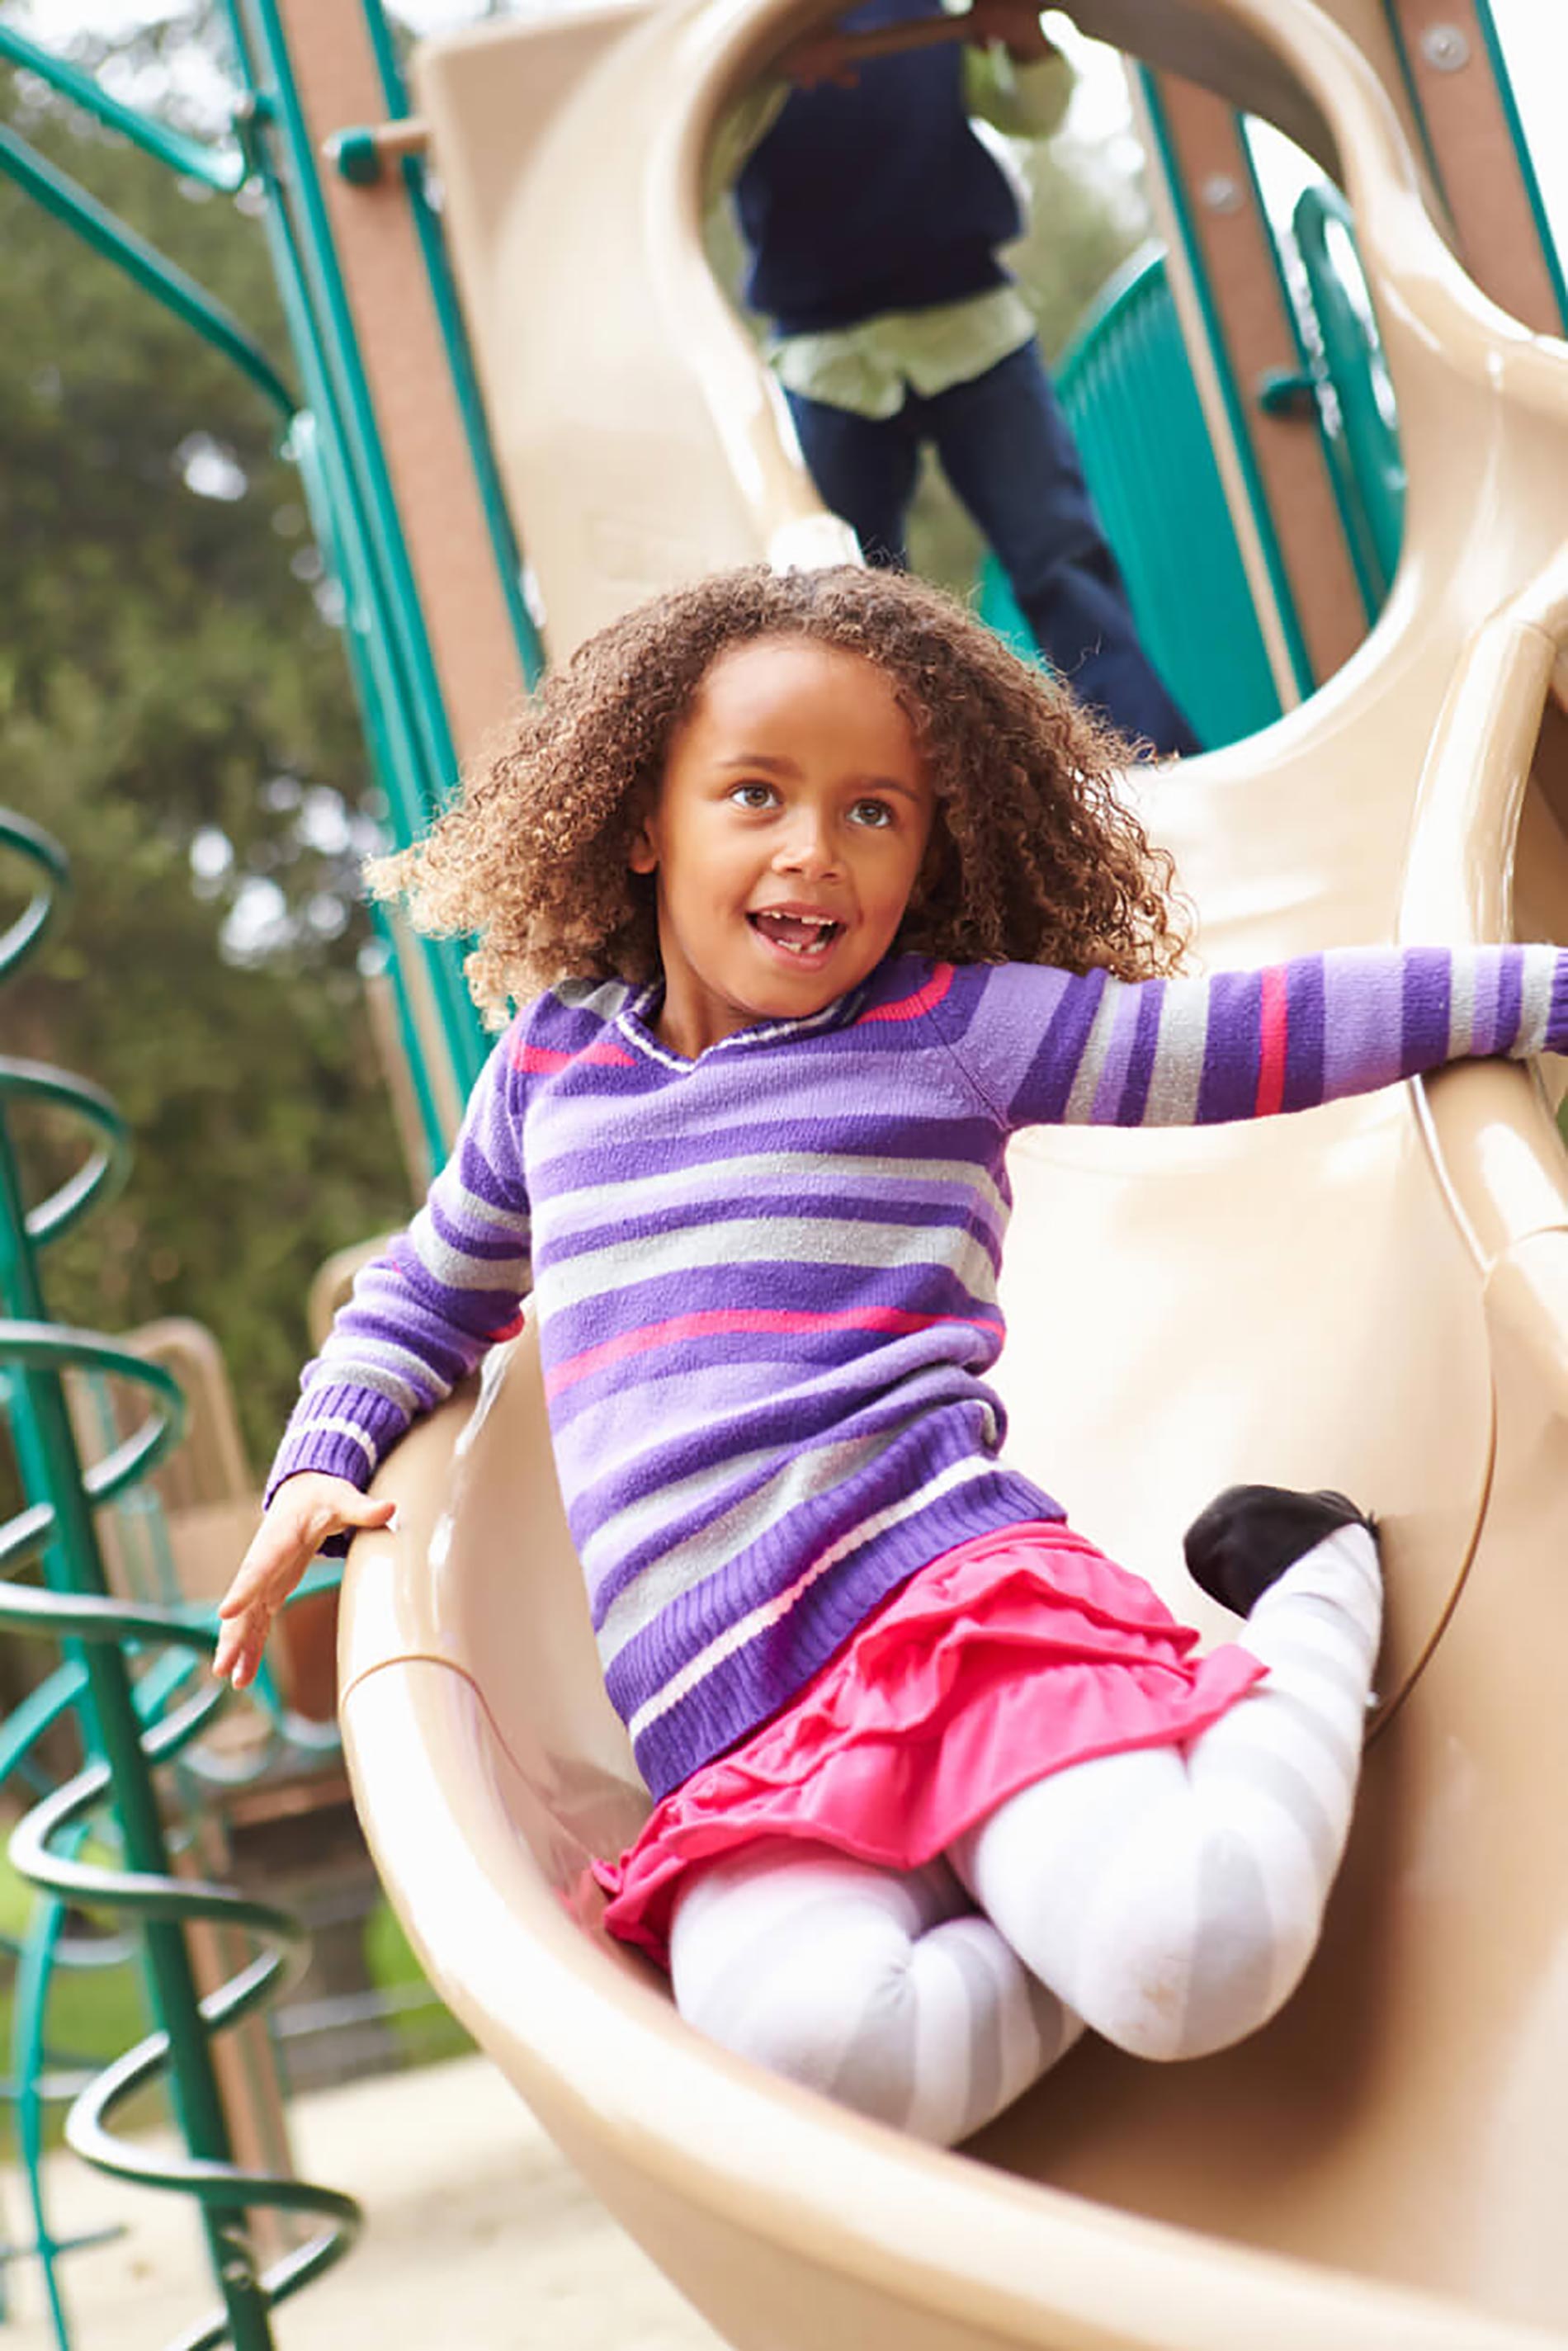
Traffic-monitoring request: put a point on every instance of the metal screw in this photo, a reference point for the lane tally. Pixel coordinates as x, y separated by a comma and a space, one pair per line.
1445, 48
1220, 193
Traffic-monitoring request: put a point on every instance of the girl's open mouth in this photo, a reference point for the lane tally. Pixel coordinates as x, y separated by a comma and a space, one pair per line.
802, 935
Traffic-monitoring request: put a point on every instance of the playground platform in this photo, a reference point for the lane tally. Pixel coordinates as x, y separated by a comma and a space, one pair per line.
478, 2237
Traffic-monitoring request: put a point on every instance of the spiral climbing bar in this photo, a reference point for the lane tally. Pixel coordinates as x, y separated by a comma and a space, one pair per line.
133, 1722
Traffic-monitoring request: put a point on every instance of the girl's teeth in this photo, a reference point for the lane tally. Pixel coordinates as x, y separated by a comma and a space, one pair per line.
797, 932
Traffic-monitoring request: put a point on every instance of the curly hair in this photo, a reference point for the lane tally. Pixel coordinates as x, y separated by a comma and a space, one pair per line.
1036, 859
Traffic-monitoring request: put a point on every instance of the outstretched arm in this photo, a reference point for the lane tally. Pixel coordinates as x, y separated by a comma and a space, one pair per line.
425, 1310
1047, 1047
421, 1316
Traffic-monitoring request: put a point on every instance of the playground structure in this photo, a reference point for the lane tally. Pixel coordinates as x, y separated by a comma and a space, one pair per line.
131, 1668
1375, 1295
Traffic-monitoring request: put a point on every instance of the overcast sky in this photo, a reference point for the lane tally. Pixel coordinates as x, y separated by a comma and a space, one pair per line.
1534, 36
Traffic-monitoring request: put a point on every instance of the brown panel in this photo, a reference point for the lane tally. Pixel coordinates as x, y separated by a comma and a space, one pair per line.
409, 384
1237, 256
1497, 239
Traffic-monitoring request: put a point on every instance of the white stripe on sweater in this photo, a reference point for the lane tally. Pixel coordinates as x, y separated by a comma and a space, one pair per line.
747, 1628
738, 1243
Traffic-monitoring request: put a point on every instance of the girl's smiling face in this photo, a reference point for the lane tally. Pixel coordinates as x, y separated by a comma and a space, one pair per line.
786, 839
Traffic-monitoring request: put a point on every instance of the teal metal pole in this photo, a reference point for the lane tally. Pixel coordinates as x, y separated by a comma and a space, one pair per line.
55, 193
1326, 415
1372, 491
28, 2043
1550, 252
459, 358
392, 648
282, 116
361, 643
220, 167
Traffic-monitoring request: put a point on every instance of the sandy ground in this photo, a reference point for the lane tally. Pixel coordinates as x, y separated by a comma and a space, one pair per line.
478, 2238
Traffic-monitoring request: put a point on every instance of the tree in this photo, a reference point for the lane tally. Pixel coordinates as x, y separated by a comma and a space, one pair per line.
174, 706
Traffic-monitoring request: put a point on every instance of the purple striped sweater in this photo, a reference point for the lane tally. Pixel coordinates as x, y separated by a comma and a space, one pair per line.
766, 1280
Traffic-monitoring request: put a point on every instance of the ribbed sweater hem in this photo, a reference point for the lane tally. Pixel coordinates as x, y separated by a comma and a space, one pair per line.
767, 1671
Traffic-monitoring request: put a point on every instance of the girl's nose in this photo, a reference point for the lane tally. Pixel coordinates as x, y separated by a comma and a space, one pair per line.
805, 849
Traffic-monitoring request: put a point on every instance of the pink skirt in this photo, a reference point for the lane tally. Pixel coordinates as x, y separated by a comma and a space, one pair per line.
1015, 1654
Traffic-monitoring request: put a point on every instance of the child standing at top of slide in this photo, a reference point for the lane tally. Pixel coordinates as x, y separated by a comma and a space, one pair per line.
829, 893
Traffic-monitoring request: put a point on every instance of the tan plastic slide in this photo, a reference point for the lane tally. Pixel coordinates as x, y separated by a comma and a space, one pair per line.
1373, 1296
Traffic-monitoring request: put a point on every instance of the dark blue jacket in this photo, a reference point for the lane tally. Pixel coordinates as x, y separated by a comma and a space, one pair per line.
874, 198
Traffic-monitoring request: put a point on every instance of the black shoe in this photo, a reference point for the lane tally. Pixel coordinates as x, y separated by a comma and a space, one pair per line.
1250, 1535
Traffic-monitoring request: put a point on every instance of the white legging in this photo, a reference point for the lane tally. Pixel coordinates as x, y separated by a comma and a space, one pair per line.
1169, 1898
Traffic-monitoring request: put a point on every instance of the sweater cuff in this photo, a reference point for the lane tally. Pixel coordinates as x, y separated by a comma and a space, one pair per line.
341, 1432
1557, 1013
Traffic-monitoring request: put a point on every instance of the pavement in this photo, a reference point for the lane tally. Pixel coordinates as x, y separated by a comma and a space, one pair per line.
478, 2237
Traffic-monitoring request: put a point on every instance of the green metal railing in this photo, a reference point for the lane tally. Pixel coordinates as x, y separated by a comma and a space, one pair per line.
129, 1671
1127, 389
55, 193
1230, 391
1128, 393
1354, 395
459, 358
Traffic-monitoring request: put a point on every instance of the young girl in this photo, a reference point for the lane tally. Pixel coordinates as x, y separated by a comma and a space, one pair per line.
833, 894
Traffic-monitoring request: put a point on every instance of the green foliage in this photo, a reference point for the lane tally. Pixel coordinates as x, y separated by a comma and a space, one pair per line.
174, 707
93, 2013
1085, 217
427, 2031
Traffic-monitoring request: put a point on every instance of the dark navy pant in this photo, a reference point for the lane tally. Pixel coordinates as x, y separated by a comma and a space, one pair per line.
1005, 446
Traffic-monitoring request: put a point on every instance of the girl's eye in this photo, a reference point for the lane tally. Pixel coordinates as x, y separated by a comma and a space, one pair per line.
875, 815
753, 796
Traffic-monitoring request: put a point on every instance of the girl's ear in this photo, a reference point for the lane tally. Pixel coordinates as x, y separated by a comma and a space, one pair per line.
642, 856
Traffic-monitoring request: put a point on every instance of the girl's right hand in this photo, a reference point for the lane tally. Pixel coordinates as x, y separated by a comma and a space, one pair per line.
306, 1511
